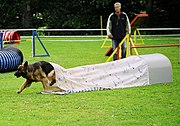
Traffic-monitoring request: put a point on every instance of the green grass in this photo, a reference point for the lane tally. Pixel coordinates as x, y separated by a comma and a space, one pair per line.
155, 105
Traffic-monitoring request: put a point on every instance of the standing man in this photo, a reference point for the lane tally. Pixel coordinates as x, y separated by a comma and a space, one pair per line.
117, 27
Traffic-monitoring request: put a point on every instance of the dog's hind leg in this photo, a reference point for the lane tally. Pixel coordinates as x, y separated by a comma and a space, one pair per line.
26, 84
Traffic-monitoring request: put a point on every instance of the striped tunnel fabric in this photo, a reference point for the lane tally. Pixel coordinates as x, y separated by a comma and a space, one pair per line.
10, 59
11, 35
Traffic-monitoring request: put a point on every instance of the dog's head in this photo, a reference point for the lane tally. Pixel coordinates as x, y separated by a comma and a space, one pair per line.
22, 70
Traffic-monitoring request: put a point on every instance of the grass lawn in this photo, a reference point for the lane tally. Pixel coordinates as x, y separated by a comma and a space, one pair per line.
155, 105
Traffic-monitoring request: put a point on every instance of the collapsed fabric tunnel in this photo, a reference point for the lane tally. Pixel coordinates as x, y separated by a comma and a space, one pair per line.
132, 71
10, 58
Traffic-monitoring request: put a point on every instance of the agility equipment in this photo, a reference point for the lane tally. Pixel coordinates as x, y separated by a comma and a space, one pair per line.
35, 35
11, 37
137, 21
10, 58
135, 24
1, 41
133, 71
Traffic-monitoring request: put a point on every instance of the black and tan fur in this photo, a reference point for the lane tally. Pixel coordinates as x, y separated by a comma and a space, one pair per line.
37, 72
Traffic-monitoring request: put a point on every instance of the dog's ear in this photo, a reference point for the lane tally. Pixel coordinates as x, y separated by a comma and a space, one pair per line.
26, 64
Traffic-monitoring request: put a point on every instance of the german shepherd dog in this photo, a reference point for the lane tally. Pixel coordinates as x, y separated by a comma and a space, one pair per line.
37, 72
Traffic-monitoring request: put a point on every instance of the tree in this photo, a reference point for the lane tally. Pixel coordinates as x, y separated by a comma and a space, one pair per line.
83, 13
11, 13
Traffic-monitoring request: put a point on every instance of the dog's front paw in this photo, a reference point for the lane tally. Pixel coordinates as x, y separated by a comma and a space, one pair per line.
18, 91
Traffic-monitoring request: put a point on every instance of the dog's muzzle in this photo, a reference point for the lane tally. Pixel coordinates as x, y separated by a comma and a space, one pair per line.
17, 75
